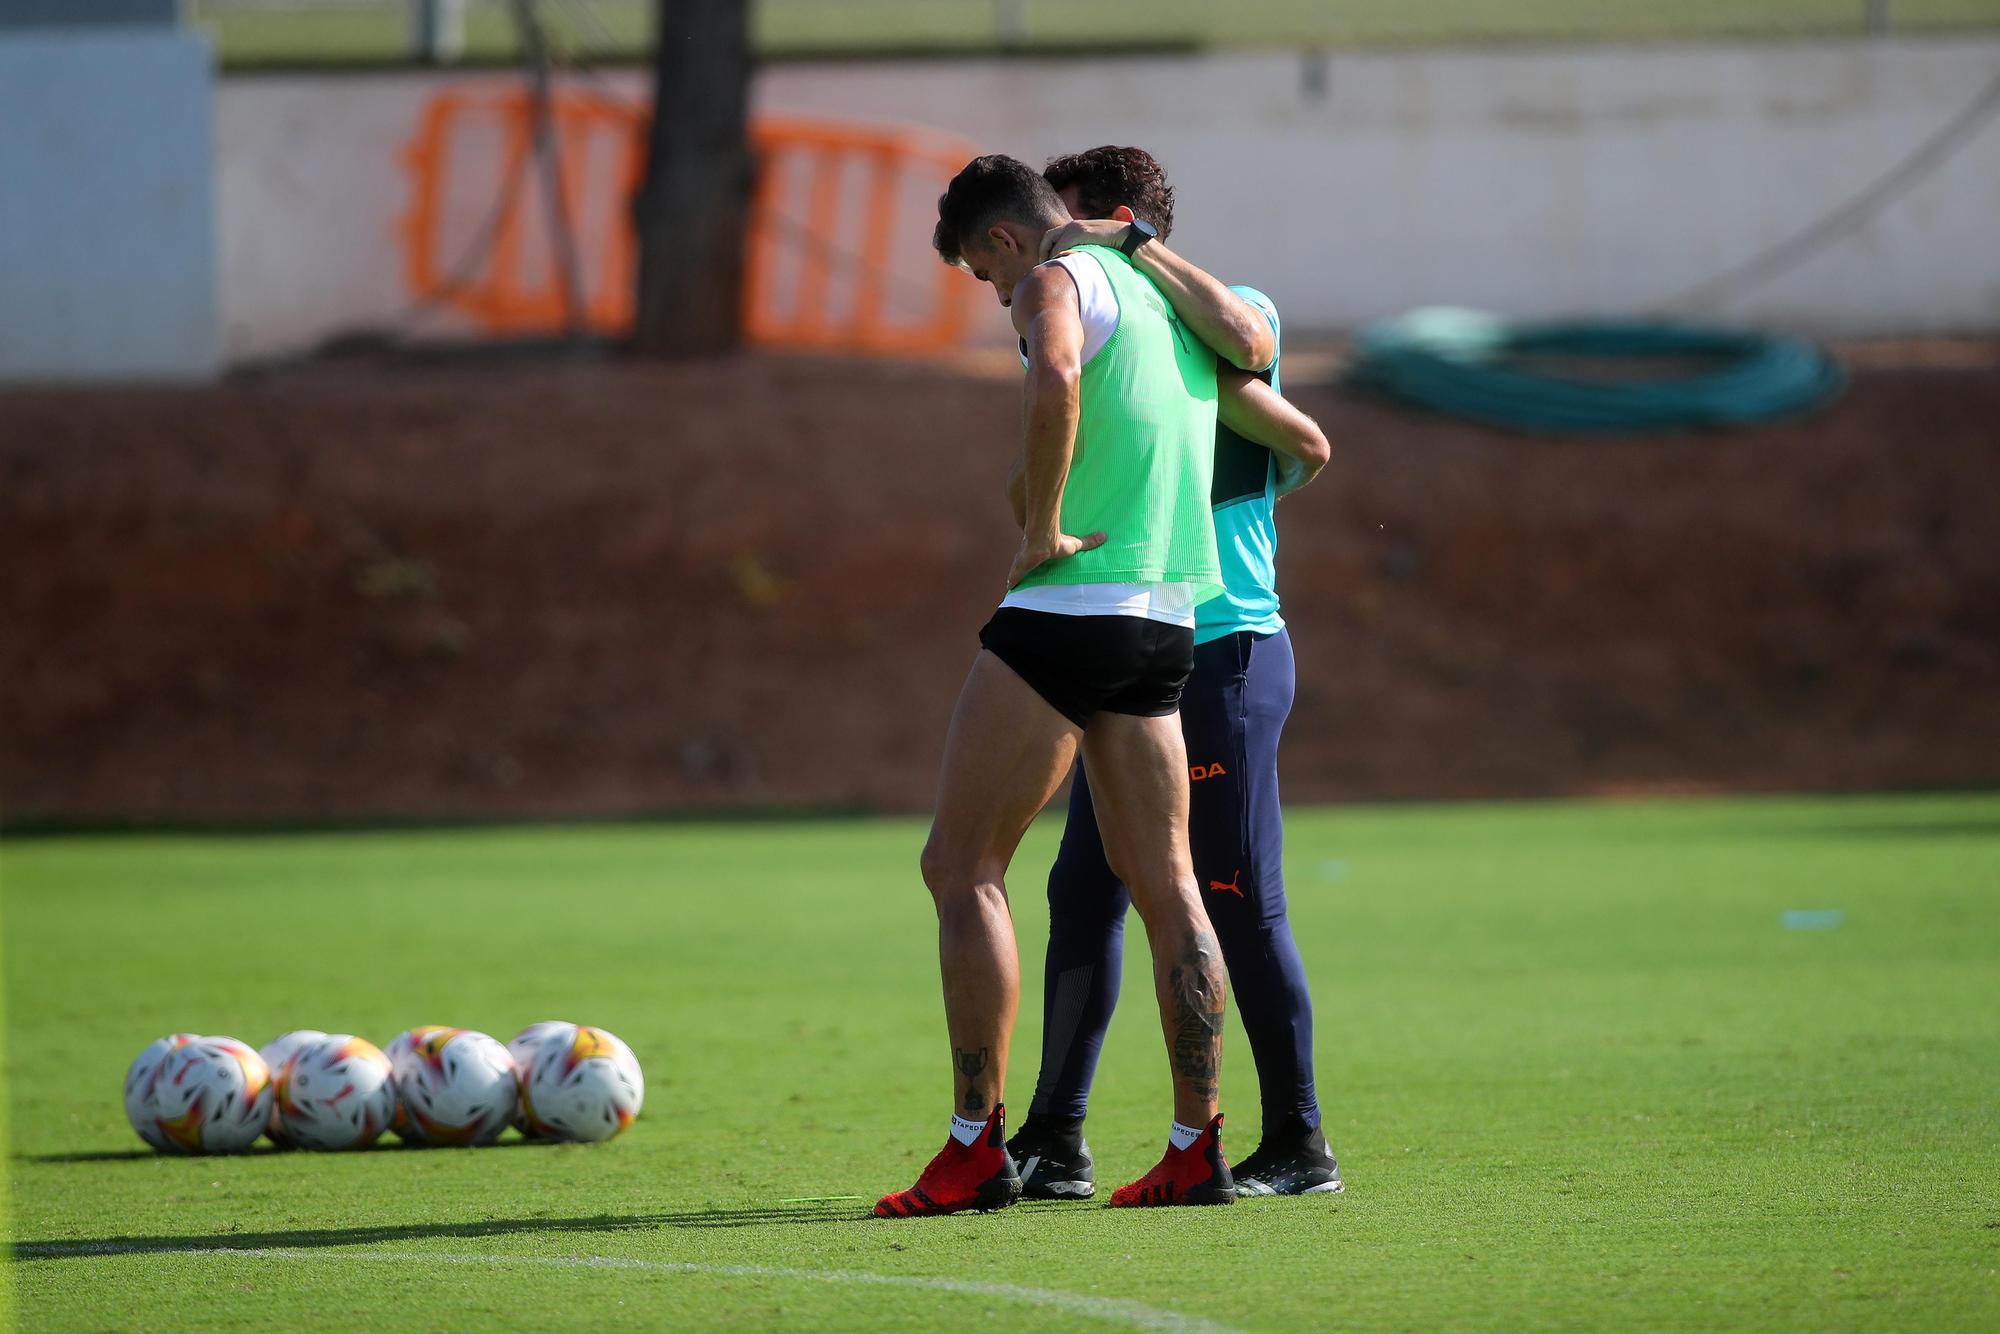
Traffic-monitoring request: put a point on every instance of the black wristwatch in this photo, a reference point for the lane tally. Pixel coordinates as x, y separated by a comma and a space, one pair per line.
1137, 233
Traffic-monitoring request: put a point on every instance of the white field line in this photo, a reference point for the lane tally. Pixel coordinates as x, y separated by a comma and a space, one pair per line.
1117, 1310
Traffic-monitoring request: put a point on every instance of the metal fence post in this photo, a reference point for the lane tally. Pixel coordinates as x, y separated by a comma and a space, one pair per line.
1877, 16
437, 31
1010, 23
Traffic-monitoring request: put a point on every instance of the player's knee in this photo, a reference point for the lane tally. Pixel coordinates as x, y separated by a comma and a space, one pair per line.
937, 866
951, 875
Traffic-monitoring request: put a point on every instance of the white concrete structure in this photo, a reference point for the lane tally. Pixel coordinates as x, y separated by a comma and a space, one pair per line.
107, 204
1349, 185
1532, 183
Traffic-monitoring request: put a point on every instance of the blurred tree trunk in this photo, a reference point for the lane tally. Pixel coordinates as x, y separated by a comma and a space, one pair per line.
693, 210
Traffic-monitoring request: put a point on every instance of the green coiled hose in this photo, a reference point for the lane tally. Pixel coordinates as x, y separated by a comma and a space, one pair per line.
1474, 365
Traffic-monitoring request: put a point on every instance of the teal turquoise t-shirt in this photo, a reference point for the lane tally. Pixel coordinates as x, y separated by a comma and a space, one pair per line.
1243, 493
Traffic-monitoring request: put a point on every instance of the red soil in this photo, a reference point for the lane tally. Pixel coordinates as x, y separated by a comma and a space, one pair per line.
519, 587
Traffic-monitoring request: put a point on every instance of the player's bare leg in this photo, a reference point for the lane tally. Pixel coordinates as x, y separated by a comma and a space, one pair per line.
1006, 754
1139, 781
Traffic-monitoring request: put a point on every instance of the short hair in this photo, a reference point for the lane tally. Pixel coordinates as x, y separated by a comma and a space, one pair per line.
991, 189
1109, 176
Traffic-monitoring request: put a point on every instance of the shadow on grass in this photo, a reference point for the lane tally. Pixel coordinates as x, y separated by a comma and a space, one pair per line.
310, 1238
265, 1151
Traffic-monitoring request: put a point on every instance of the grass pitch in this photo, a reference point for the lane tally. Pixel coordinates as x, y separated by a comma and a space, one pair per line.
1579, 1073
251, 32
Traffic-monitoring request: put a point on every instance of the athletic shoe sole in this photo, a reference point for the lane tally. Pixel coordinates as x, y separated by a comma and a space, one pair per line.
1209, 1195
1065, 1188
1060, 1190
1257, 1190
1204, 1194
997, 1193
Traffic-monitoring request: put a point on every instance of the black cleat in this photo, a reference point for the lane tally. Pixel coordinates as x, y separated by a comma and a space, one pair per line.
1055, 1162
1293, 1160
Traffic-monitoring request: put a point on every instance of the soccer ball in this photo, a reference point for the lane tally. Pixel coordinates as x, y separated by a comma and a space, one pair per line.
140, 1081
398, 1052
519, 1048
523, 1041
577, 1083
275, 1053
335, 1092
454, 1086
189, 1094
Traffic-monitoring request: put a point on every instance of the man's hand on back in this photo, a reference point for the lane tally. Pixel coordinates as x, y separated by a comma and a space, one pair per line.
1037, 552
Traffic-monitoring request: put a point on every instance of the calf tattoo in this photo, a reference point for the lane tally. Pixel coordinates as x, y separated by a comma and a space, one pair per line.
1196, 1020
971, 1064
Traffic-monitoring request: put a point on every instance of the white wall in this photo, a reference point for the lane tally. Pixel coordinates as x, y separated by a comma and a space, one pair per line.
1350, 185
107, 205
312, 186
1356, 185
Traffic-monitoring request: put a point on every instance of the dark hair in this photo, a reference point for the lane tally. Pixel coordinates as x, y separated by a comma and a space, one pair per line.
1107, 177
991, 189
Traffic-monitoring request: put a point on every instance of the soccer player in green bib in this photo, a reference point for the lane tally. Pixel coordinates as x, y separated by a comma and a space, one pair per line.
1089, 651
1233, 713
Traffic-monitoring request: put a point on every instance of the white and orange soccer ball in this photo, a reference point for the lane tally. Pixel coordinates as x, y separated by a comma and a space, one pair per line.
334, 1092
399, 1051
189, 1094
275, 1053
520, 1047
140, 1080
454, 1086
577, 1082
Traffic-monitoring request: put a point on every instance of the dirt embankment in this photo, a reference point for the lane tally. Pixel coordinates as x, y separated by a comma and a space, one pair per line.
361, 590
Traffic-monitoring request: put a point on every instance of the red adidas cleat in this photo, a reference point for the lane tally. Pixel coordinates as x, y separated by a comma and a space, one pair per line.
1194, 1175
980, 1175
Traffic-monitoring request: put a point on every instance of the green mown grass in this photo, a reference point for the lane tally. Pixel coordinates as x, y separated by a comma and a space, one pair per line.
259, 33
1578, 1074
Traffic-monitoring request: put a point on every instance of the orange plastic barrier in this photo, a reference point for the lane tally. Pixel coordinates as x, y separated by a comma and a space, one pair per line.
821, 272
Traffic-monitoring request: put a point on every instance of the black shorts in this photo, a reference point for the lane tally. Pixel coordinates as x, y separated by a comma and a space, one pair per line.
1084, 664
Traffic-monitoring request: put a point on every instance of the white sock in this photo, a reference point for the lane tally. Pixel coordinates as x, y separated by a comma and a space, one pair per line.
1180, 1136
967, 1132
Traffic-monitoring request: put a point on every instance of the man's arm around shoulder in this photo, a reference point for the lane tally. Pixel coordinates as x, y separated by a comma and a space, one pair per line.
1234, 329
